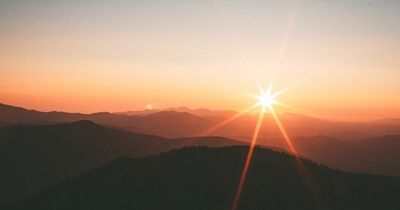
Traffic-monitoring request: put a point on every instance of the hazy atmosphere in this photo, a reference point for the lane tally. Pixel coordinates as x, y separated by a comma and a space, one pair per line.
200, 104
88, 56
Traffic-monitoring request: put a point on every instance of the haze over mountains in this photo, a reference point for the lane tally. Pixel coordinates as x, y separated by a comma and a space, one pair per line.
364, 146
198, 112
296, 102
174, 124
39, 150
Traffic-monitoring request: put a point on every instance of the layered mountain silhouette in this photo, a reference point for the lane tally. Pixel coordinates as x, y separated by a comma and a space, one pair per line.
205, 178
379, 155
34, 157
197, 112
175, 124
40, 150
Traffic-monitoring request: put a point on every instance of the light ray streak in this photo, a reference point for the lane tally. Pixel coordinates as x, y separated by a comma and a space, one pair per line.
283, 132
307, 178
228, 120
300, 111
287, 88
260, 89
285, 38
248, 159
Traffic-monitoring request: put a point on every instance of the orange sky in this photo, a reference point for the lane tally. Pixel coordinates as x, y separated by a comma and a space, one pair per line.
88, 56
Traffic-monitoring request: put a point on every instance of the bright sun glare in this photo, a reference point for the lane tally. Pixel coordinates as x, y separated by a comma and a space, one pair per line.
266, 100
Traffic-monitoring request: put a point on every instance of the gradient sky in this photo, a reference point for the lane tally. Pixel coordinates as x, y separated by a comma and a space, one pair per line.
88, 56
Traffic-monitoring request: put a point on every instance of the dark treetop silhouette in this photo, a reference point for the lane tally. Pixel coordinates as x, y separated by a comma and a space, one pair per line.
205, 178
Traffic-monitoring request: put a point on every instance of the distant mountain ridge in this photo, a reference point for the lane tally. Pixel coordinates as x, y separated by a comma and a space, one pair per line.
198, 112
320, 140
174, 124
379, 155
163, 123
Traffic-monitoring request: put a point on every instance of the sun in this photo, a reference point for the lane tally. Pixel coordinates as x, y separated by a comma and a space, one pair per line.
266, 100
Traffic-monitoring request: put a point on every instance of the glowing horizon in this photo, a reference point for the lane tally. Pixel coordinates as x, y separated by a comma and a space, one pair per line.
91, 56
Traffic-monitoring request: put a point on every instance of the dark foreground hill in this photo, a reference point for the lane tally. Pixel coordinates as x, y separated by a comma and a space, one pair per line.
204, 178
33, 158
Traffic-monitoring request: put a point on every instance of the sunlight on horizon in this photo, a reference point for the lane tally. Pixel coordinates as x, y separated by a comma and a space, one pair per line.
116, 56
211, 104
266, 100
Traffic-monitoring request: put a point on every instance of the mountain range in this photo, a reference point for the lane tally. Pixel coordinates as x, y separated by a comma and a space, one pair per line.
199, 112
175, 124
35, 157
39, 150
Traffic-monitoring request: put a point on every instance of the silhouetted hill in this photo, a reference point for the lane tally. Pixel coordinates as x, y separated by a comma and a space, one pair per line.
203, 178
170, 124
35, 157
380, 155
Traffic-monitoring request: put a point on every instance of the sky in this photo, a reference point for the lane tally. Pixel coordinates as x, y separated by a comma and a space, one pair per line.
89, 56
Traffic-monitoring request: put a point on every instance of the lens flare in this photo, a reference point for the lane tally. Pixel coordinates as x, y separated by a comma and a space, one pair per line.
248, 159
227, 120
266, 100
